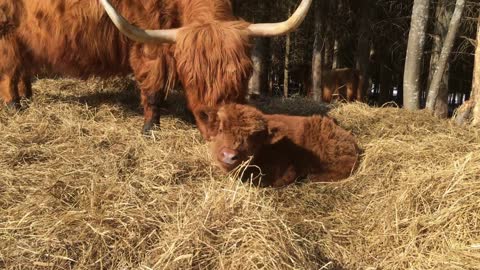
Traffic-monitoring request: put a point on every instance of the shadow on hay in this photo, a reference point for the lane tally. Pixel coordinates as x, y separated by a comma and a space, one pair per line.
297, 106
125, 96
123, 92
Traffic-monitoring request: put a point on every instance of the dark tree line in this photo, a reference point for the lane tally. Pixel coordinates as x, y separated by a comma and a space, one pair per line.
416, 53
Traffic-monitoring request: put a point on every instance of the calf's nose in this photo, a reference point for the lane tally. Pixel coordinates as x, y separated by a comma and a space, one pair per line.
229, 156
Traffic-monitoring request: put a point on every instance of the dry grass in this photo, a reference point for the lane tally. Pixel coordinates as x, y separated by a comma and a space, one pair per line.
81, 188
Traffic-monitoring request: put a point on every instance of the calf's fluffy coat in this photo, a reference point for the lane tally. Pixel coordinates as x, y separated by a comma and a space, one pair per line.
284, 148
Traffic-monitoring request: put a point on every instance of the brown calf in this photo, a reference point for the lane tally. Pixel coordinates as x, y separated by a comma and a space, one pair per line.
285, 148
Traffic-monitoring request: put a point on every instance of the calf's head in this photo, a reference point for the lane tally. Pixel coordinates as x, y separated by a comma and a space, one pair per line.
237, 132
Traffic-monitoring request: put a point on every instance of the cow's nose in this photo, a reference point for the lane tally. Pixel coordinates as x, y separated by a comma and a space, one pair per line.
229, 156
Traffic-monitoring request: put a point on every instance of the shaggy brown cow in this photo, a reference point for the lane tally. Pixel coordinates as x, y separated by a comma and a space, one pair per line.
285, 148
343, 84
201, 44
337, 84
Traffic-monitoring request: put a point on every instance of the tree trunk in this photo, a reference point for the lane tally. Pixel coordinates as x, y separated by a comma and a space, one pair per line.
335, 63
287, 63
337, 37
328, 32
258, 82
434, 89
434, 93
363, 46
386, 84
271, 73
476, 80
416, 41
328, 50
317, 56
443, 16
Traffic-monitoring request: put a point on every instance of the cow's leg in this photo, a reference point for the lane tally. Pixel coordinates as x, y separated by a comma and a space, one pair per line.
327, 94
154, 70
352, 86
14, 89
25, 87
8, 91
351, 91
14, 79
360, 88
151, 101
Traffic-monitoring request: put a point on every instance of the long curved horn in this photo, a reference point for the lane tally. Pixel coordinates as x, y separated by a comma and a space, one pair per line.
138, 34
282, 28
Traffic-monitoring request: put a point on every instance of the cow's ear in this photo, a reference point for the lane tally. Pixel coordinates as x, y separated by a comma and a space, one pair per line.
207, 121
276, 131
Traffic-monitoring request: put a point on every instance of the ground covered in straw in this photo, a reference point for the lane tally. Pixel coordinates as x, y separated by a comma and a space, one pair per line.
81, 188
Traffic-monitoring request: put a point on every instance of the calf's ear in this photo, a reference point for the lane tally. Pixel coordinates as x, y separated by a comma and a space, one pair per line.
207, 121
276, 131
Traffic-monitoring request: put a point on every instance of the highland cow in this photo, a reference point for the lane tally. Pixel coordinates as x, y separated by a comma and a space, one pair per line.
199, 43
342, 84
285, 148
337, 84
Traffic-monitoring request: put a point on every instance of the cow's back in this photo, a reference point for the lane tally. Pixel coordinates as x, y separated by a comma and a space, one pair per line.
335, 147
71, 37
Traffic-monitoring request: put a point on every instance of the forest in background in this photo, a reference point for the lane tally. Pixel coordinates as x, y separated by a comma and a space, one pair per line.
373, 37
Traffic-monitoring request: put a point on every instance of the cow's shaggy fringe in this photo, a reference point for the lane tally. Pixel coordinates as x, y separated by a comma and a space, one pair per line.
81, 188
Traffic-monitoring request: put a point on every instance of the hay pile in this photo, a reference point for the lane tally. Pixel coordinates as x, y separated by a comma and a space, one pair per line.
81, 188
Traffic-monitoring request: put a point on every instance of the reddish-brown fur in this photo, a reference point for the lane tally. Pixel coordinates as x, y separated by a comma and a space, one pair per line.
284, 147
337, 84
76, 38
343, 84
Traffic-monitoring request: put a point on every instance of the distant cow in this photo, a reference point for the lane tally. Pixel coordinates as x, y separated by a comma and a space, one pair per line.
285, 148
337, 84
200, 43
342, 84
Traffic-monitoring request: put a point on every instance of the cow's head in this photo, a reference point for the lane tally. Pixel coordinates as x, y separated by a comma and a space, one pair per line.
212, 53
238, 132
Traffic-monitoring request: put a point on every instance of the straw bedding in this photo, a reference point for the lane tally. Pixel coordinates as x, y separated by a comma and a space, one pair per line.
81, 188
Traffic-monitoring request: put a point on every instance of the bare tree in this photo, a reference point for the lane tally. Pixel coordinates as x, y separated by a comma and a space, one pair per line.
258, 82
476, 80
386, 83
433, 91
287, 62
317, 55
416, 42
329, 47
443, 16
329, 34
363, 46
337, 42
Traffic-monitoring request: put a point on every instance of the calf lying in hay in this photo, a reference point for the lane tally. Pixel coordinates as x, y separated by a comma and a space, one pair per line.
283, 147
